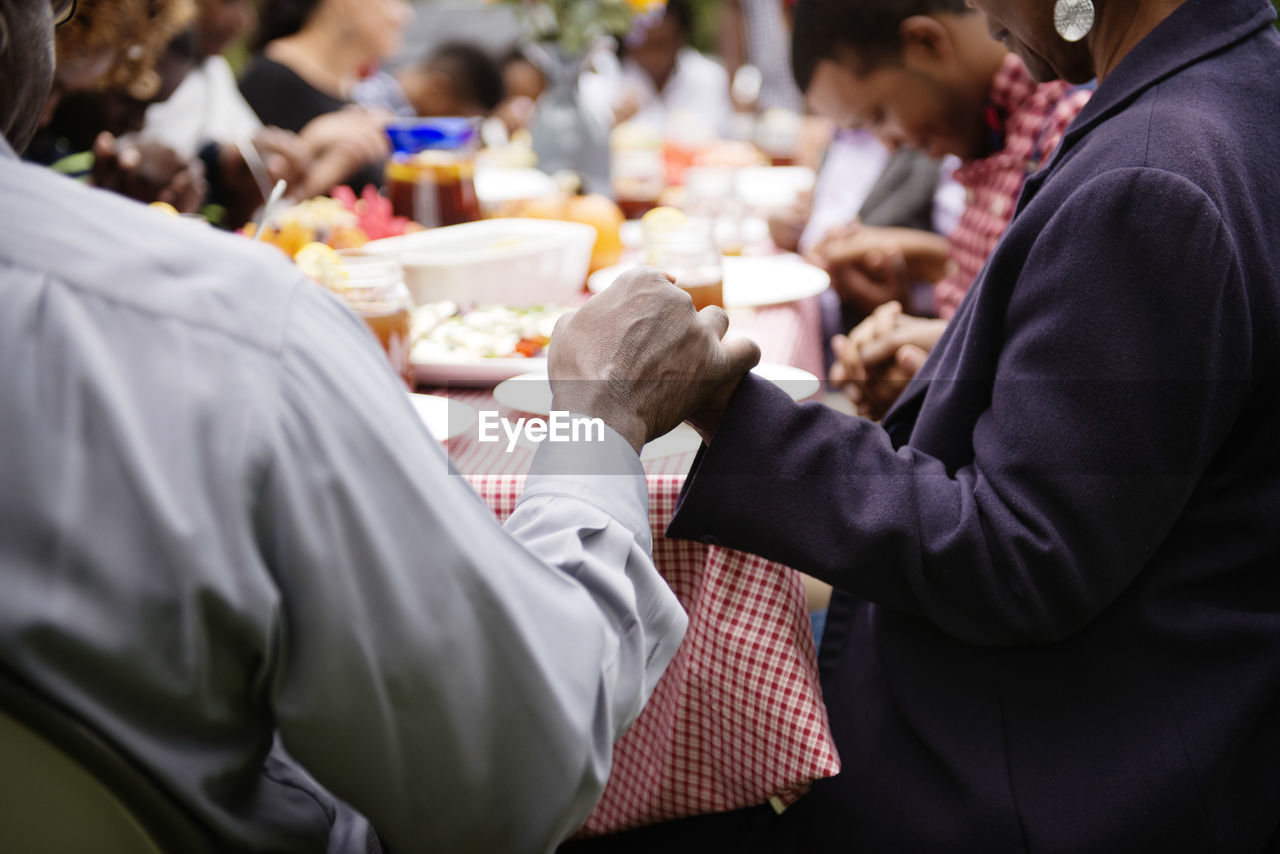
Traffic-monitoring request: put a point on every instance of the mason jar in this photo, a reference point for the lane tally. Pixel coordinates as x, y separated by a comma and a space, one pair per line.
374, 289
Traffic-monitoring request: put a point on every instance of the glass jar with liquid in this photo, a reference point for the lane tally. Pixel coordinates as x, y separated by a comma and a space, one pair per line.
690, 254
374, 289
431, 174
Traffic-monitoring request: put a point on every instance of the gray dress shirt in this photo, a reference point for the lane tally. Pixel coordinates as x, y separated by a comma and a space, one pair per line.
222, 523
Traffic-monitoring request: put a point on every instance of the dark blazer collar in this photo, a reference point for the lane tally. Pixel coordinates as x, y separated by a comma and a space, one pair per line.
1195, 30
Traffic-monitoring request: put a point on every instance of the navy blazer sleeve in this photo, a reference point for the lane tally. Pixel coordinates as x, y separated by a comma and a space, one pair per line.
1120, 363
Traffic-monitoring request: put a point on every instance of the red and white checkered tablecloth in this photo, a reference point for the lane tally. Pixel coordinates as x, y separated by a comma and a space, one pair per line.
737, 720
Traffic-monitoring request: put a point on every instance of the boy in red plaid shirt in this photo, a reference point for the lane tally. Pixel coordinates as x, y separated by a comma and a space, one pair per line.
936, 81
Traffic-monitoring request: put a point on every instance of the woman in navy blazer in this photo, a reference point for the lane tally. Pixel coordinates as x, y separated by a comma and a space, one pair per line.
1057, 618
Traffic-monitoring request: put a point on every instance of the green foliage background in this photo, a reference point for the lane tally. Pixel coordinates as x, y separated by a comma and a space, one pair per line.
705, 14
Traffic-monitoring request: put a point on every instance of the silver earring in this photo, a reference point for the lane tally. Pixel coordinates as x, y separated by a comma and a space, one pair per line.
1073, 19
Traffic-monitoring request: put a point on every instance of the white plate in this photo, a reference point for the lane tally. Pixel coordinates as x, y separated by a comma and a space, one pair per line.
445, 418
749, 282
531, 392
479, 373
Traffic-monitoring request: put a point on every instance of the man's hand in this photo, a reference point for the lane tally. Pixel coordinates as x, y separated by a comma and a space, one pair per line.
642, 360
880, 356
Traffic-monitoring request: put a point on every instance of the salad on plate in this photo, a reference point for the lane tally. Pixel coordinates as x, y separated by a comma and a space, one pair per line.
443, 333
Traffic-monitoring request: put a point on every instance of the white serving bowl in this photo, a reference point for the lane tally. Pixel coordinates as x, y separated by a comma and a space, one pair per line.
511, 261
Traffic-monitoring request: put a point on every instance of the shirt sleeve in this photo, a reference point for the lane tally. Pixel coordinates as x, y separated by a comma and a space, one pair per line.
460, 684
1121, 369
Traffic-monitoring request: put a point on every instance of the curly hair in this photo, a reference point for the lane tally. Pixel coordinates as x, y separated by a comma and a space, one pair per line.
137, 30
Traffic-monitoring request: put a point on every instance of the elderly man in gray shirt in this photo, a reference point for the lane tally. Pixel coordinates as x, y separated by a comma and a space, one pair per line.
222, 526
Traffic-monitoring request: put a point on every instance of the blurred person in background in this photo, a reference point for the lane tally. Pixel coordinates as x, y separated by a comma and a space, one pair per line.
932, 79
133, 33
861, 182
208, 118
208, 106
90, 135
114, 58
104, 92
89, 45
523, 82
665, 83
455, 79
309, 56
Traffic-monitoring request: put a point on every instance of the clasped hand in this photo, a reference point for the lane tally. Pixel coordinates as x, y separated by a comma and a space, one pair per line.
881, 355
866, 264
642, 360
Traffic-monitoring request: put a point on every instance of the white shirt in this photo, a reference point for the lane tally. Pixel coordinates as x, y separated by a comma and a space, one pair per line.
695, 101
853, 164
221, 521
206, 107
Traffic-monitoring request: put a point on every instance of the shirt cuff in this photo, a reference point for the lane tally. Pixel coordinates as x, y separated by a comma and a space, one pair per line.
605, 474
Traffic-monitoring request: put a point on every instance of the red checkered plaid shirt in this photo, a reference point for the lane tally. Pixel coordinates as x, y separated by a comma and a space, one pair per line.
1036, 118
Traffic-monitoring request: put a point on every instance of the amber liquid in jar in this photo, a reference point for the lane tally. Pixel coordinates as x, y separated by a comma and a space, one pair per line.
638, 178
391, 324
433, 188
373, 287
705, 292
636, 208
690, 255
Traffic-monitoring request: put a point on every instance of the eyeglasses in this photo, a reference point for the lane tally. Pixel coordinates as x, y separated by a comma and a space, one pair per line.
63, 11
